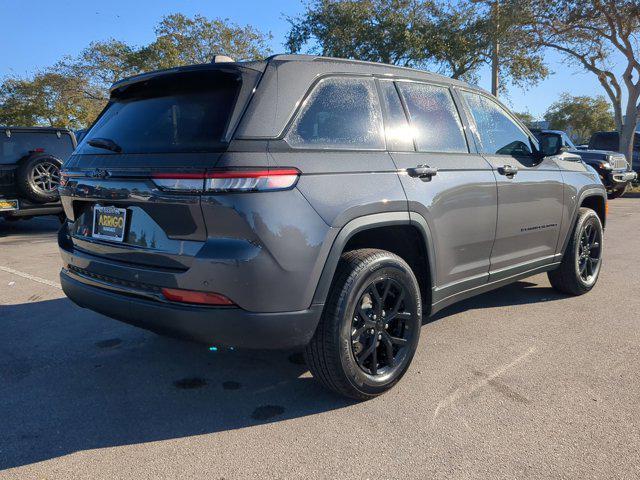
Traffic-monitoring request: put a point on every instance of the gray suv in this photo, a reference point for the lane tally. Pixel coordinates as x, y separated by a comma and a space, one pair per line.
315, 202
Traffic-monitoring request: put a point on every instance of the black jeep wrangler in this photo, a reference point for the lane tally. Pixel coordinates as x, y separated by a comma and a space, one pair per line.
30, 161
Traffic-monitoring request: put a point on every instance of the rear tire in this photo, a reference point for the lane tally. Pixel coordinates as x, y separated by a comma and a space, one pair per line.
580, 267
39, 177
370, 327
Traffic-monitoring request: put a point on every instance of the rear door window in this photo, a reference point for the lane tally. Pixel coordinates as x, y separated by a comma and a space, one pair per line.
435, 120
168, 115
340, 113
499, 134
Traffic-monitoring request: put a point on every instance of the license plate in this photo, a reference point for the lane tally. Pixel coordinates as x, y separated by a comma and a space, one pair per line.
109, 223
8, 205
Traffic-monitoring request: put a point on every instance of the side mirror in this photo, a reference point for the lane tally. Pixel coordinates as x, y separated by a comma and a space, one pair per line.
551, 144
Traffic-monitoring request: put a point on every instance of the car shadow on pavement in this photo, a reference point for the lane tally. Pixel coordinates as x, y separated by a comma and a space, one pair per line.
517, 293
73, 380
35, 226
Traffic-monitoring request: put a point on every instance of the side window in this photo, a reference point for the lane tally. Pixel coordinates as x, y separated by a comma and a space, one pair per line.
435, 121
499, 134
397, 131
340, 113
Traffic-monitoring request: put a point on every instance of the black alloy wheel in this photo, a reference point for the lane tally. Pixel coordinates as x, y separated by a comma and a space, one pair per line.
380, 328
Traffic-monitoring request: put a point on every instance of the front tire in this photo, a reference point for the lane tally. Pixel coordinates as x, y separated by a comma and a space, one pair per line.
580, 267
369, 330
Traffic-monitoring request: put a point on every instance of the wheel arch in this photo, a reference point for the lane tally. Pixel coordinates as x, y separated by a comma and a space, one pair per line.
386, 231
594, 198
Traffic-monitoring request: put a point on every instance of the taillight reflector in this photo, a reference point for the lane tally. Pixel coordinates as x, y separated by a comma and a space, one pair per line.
229, 180
191, 296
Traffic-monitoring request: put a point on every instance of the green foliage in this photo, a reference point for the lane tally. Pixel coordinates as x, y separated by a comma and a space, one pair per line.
454, 39
373, 30
184, 41
580, 116
525, 117
74, 91
49, 99
602, 37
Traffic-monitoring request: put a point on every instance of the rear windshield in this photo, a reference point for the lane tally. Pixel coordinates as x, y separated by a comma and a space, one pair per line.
18, 144
176, 114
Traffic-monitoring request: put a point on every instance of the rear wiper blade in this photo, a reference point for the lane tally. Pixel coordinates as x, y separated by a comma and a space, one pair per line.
106, 144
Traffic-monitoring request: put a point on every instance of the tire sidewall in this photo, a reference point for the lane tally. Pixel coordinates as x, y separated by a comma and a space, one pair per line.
25, 178
380, 268
589, 217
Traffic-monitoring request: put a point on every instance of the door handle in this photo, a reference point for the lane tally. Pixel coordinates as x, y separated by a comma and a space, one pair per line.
424, 172
508, 170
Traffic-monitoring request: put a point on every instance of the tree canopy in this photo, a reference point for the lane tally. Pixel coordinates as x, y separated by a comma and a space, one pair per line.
73, 92
580, 116
591, 35
455, 40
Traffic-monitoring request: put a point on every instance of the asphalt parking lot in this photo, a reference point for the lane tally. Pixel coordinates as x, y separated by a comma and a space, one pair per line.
519, 383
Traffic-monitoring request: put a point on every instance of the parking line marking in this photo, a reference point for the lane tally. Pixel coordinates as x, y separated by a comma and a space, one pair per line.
44, 281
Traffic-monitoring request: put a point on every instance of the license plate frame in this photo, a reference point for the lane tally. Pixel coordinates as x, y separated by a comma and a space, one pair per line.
113, 223
9, 205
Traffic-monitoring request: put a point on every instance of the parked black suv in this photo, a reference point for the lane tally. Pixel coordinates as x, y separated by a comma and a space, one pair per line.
611, 141
30, 161
612, 167
312, 202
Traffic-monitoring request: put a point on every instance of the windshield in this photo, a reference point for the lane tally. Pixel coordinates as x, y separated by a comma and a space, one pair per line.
178, 114
567, 141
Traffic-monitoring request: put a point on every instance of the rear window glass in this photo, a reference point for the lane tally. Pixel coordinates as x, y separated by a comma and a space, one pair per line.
176, 114
340, 113
20, 144
434, 118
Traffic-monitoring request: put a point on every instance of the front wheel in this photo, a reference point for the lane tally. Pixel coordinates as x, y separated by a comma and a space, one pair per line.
578, 272
370, 328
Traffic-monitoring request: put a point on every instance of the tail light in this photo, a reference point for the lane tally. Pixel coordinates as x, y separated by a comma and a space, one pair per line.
229, 181
192, 296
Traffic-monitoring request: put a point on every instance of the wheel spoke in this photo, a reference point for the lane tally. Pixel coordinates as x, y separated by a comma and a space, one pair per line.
374, 357
385, 293
356, 335
367, 353
365, 318
395, 340
376, 296
389, 348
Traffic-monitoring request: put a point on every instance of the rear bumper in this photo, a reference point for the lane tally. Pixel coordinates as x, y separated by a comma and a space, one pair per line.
221, 326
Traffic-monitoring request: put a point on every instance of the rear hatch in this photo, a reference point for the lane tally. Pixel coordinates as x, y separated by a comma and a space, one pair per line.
131, 190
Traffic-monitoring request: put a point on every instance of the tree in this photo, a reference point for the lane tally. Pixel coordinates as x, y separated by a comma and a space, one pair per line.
74, 91
184, 41
525, 117
581, 116
454, 39
48, 99
590, 34
372, 30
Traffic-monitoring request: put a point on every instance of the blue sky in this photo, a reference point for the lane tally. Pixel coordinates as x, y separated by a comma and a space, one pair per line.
36, 33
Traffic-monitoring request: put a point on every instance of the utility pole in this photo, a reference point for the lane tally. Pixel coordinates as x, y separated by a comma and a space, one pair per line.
495, 51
